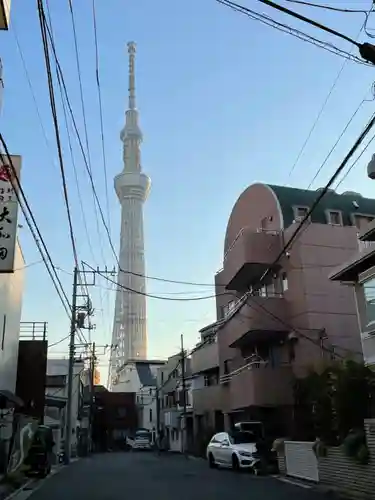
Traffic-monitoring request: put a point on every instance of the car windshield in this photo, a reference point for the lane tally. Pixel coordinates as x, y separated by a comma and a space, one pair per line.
142, 434
243, 437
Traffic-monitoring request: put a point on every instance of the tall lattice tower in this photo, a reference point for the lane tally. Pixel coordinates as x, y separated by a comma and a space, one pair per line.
132, 187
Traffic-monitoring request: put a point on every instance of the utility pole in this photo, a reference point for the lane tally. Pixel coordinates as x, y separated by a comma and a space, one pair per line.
73, 326
157, 395
183, 375
92, 392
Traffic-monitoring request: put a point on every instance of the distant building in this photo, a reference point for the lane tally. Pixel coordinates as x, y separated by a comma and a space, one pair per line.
115, 417
139, 376
57, 390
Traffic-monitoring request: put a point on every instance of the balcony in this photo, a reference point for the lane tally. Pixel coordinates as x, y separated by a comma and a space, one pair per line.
4, 14
251, 253
207, 399
259, 384
205, 357
261, 318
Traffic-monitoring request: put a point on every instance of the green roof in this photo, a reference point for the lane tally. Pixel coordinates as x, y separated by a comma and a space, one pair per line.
290, 197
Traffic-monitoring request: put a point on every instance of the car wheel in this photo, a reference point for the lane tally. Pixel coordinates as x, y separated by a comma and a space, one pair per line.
211, 461
235, 463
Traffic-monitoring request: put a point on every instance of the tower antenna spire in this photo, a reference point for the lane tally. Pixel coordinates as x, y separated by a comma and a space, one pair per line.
131, 52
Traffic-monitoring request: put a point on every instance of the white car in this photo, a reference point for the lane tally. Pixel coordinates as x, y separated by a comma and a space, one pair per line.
140, 441
235, 450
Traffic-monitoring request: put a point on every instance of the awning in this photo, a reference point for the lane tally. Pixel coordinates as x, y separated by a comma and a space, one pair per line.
359, 263
54, 402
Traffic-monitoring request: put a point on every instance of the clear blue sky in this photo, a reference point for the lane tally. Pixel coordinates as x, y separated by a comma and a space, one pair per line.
224, 101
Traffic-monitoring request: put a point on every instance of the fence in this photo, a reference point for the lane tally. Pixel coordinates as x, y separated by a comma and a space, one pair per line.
334, 471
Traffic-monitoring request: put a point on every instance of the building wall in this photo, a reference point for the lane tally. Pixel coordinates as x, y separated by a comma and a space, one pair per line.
31, 376
128, 380
117, 413
323, 312
11, 295
315, 302
60, 367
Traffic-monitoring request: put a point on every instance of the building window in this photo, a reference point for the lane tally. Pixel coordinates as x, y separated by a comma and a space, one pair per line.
300, 213
369, 295
284, 280
335, 218
150, 415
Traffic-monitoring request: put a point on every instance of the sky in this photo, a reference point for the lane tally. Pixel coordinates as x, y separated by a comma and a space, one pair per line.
224, 102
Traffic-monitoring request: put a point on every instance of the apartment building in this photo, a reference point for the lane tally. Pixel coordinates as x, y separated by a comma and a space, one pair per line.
208, 415
177, 427
358, 273
297, 317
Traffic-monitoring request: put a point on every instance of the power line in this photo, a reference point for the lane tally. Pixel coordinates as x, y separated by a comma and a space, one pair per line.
65, 91
56, 125
85, 289
101, 112
307, 20
355, 161
43, 24
341, 135
328, 7
318, 116
284, 28
36, 234
151, 296
83, 108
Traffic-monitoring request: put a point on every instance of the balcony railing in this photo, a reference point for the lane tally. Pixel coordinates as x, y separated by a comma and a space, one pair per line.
365, 245
258, 230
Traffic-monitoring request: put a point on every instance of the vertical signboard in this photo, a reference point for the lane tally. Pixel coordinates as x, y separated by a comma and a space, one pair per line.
8, 211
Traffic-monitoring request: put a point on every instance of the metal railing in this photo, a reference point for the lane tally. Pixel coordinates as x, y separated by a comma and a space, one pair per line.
250, 365
258, 230
365, 245
33, 330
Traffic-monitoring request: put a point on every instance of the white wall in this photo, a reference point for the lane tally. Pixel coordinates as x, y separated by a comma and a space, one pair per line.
128, 380
11, 294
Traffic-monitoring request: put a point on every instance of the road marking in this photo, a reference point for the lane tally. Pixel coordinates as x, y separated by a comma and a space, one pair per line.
294, 483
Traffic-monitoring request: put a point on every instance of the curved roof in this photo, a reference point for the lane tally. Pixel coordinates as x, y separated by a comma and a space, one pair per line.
290, 197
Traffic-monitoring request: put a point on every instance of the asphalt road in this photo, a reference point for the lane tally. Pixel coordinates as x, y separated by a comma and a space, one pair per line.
171, 477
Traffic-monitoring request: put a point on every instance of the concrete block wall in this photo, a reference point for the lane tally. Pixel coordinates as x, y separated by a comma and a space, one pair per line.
343, 475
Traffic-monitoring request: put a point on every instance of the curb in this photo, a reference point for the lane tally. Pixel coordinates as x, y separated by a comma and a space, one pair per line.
21, 488
39, 482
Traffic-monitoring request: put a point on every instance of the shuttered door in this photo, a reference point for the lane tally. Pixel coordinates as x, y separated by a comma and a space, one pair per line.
301, 461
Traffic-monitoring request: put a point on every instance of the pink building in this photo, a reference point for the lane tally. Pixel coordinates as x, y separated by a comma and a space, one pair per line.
298, 317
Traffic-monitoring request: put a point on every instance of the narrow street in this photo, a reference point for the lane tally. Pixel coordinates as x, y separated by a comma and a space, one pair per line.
141, 475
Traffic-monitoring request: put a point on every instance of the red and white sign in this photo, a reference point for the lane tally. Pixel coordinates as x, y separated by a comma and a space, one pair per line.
9, 174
